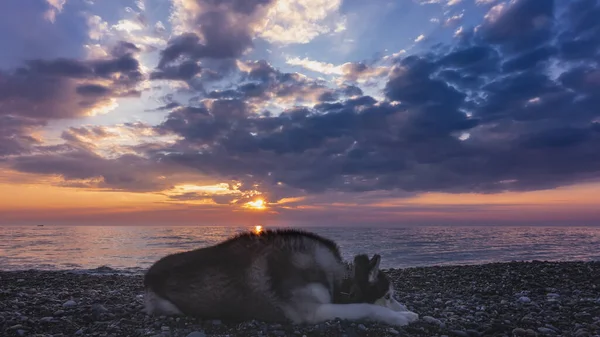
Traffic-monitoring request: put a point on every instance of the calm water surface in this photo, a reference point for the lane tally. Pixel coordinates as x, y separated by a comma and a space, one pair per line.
136, 248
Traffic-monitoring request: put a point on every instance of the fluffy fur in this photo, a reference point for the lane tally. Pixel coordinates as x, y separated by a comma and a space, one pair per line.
276, 275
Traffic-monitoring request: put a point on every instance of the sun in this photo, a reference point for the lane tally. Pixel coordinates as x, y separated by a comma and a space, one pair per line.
256, 204
258, 229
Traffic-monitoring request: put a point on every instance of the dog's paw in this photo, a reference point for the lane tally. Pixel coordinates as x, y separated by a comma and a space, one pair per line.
410, 316
400, 318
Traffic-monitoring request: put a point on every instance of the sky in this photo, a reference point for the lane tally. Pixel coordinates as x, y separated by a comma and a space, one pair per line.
300, 112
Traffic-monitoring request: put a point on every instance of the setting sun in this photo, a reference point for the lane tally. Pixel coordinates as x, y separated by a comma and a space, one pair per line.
258, 229
256, 204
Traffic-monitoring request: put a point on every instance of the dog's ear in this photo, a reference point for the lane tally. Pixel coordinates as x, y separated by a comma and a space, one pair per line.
374, 268
361, 266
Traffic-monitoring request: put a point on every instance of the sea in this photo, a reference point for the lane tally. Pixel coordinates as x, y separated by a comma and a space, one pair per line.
132, 249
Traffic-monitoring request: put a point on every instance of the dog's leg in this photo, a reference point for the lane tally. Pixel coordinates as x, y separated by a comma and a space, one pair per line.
156, 305
359, 311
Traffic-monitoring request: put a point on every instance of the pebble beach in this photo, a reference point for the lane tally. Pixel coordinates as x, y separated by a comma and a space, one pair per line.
498, 299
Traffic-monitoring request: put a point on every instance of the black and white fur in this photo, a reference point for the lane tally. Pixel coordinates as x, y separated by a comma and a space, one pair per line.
276, 275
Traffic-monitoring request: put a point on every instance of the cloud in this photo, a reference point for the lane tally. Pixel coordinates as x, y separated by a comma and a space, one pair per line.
66, 88
465, 118
511, 105
16, 135
56, 7
185, 71
454, 20
205, 29
296, 21
263, 86
519, 24
349, 71
420, 38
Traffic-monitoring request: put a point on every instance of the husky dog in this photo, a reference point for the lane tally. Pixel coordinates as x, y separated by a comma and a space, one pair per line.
273, 276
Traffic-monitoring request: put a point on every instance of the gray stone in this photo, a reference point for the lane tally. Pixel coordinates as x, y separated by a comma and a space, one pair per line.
434, 320
98, 309
519, 332
69, 304
546, 331
531, 332
196, 334
460, 333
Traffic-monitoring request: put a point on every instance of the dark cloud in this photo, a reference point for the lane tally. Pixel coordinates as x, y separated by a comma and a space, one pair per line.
519, 24
411, 83
530, 59
92, 90
123, 48
15, 135
512, 107
220, 30
184, 71
521, 128
261, 83
104, 68
580, 37
472, 60
66, 88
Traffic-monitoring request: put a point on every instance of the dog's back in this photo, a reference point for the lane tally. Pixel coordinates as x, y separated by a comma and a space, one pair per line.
266, 276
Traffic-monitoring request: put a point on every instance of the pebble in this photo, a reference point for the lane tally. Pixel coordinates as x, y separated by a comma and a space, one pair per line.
546, 331
99, 309
475, 300
519, 332
473, 333
69, 304
524, 299
433, 320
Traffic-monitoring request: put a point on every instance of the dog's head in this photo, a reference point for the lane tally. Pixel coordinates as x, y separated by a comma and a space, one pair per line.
368, 284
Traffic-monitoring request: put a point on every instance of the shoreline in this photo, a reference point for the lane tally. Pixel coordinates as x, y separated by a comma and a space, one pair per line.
133, 271
521, 298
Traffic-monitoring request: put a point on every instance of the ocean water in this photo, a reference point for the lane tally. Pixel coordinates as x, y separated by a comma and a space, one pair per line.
131, 248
